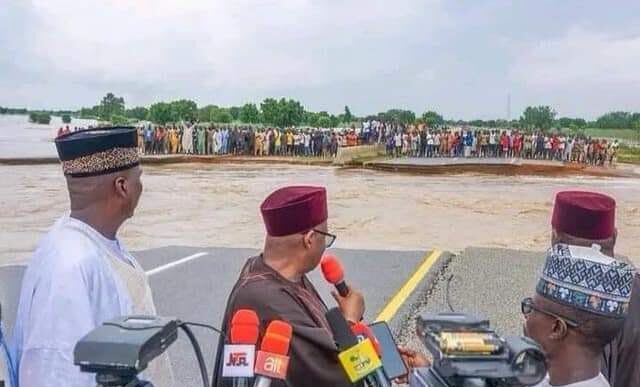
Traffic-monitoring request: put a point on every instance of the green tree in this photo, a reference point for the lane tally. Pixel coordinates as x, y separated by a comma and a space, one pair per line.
538, 117
119, 120
404, 117
40, 118
347, 117
310, 118
432, 118
66, 118
324, 122
617, 120
221, 115
184, 109
249, 113
235, 112
205, 113
139, 113
161, 113
109, 106
282, 112
335, 121
92, 112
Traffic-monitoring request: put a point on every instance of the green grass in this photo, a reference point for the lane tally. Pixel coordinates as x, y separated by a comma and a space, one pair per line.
632, 135
628, 154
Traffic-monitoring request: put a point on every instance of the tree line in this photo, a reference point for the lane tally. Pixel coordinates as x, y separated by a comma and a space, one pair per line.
288, 112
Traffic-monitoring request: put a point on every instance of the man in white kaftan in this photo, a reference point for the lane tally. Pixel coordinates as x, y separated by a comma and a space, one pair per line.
80, 274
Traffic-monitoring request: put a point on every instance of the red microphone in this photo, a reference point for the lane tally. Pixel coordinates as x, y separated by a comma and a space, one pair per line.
239, 355
362, 331
334, 273
272, 360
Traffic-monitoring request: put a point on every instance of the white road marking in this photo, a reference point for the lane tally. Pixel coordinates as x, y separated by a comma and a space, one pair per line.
180, 261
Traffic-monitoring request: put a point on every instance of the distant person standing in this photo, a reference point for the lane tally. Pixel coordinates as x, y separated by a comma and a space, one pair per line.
187, 139
148, 139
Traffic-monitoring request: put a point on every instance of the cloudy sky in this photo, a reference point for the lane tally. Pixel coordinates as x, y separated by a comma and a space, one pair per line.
461, 58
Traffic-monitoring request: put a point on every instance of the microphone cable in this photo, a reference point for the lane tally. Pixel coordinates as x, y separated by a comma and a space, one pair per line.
184, 325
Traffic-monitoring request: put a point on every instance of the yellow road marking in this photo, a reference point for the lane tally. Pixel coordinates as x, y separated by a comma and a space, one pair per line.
405, 291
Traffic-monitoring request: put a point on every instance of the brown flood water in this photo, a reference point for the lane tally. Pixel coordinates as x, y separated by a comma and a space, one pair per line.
217, 205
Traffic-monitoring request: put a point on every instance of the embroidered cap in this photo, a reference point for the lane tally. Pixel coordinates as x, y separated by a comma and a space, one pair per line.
586, 279
98, 151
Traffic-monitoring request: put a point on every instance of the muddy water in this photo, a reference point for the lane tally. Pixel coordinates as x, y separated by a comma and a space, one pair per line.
217, 205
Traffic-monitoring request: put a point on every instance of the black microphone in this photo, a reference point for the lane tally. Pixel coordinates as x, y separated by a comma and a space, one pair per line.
359, 359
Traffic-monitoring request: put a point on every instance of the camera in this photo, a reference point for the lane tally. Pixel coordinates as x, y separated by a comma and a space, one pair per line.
468, 353
119, 350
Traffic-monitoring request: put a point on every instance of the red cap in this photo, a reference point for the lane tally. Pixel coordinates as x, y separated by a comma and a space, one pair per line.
332, 269
587, 215
295, 209
244, 327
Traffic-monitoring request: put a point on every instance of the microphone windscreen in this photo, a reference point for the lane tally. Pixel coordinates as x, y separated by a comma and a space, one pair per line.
274, 343
332, 269
245, 317
281, 328
244, 334
245, 327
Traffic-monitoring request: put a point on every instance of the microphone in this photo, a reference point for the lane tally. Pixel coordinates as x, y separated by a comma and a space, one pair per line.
358, 359
334, 273
272, 361
239, 356
363, 332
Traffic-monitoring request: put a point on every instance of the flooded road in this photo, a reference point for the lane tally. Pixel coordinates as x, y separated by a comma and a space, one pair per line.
217, 205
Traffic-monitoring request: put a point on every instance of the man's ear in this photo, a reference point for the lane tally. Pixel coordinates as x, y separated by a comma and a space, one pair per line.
559, 330
307, 239
121, 187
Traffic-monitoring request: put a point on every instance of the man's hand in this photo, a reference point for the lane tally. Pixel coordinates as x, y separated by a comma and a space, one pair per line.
352, 305
412, 359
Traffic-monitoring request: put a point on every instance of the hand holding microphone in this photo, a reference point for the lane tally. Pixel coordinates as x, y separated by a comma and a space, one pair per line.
351, 301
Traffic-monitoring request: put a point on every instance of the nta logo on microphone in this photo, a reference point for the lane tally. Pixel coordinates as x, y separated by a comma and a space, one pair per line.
237, 359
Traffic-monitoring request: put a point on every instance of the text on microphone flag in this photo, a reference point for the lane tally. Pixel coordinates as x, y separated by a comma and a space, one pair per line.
360, 360
238, 361
272, 365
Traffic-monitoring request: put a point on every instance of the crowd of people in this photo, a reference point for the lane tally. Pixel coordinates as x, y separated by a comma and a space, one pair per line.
210, 140
399, 141
501, 143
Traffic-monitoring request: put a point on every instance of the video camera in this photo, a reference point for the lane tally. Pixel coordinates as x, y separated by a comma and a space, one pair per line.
468, 353
118, 350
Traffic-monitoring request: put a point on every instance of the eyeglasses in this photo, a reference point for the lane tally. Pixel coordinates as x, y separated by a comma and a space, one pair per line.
330, 238
528, 306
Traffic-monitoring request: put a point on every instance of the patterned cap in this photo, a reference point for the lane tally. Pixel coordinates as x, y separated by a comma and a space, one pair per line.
584, 278
98, 151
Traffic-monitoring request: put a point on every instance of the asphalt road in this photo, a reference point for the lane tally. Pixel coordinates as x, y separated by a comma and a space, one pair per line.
196, 289
486, 282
